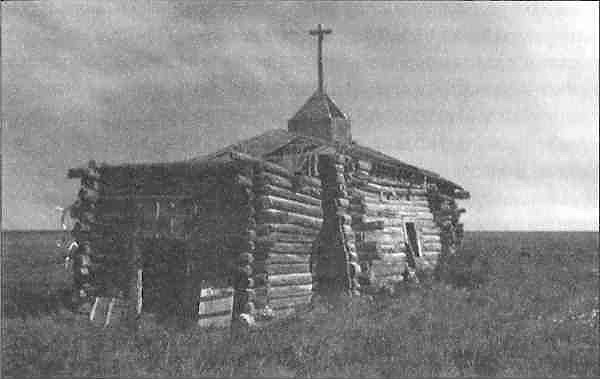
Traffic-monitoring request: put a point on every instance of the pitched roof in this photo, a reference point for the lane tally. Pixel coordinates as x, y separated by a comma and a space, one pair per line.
278, 140
319, 106
257, 146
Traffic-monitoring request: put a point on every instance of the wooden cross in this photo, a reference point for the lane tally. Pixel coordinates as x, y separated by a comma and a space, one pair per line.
320, 32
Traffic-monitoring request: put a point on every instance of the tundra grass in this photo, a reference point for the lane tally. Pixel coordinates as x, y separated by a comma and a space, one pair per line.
509, 304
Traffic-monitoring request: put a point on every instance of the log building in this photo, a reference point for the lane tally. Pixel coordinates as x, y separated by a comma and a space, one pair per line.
277, 218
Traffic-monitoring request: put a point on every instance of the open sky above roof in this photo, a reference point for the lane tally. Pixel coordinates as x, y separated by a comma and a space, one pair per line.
501, 97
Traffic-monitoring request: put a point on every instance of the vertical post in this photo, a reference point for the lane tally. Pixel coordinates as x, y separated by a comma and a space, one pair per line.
134, 271
190, 307
139, 294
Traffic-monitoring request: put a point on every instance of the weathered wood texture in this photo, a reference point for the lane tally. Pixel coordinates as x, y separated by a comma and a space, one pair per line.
336, 259
192, 230
243, 278
215, 307
108, 311
380, 207
290, 301
288, 219
256, 226
447, 220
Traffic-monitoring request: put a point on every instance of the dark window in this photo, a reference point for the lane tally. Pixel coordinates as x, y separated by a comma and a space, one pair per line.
413, 239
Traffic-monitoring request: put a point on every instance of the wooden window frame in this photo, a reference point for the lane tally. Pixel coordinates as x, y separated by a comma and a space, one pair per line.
419, 252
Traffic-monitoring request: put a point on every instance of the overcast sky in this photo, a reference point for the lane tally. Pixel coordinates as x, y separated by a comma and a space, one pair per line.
499, 97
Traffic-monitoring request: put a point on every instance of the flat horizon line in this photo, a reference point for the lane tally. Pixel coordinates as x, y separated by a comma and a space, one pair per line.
467, 231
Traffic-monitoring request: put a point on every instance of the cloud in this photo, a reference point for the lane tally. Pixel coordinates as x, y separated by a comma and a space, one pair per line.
500, 98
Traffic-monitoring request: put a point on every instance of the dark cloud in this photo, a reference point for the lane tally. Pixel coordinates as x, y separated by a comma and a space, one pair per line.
501, 98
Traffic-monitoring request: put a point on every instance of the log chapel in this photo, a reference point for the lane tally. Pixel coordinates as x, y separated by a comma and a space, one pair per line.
275, 219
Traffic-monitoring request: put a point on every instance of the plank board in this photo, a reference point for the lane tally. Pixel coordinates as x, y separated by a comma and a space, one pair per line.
279, 269
287, 291
215, 307
287, 302
212, 305
218, 321
108, 311
290, 279
287, 258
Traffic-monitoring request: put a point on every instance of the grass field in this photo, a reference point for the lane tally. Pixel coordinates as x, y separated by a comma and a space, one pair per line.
510, 304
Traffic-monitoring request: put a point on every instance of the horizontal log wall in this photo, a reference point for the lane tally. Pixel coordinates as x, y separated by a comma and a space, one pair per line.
205, 213
252, 226
380, 206
213, 216
288, 221
447, 218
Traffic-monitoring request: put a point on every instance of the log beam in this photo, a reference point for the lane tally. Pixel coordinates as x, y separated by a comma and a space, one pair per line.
273, 216
279, 203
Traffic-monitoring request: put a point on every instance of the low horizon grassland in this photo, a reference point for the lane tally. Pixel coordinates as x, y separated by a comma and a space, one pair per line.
508, 304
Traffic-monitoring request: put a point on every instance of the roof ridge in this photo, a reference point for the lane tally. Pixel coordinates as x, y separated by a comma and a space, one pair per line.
264, 144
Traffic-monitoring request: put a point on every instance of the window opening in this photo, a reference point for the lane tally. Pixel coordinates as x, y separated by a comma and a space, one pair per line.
413, 239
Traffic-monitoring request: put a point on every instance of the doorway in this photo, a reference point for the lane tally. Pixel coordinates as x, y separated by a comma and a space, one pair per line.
163, 277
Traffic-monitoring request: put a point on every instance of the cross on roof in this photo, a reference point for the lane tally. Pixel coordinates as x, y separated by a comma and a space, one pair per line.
320, 32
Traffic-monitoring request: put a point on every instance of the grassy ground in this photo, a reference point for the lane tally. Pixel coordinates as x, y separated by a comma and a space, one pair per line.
511, 304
